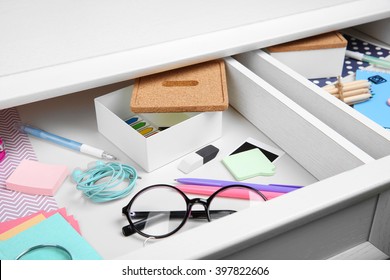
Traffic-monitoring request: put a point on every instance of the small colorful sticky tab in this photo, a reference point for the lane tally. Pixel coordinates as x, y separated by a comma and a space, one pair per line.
249, 164
142, 126
133, 119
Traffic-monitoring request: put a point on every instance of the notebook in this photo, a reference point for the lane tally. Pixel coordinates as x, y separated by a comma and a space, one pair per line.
376, 108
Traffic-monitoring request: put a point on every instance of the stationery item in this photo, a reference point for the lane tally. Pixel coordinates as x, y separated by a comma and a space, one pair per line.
221, 183
34, 177
53, 230
350, 92
82, 148
370, 59
388, 102
16, 204
197, 159
22, 226
326, 51
350, 65
5, 226
18, 144
270, 152
2, 150
249, 164
143, 127
209, 190
99, 181
376, 108
196, 88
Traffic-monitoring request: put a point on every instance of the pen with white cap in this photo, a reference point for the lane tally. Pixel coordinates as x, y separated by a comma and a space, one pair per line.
82, 148
370, 59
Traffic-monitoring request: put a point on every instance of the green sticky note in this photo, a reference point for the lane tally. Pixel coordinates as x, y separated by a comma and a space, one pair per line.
249, 164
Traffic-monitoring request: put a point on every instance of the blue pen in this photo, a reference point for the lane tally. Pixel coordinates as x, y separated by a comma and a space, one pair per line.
83, 148
220, 183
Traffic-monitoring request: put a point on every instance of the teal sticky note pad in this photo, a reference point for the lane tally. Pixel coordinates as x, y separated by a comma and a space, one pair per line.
249, 164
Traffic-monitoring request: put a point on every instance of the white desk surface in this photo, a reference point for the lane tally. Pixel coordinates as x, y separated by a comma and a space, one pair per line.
51, 48
101, 224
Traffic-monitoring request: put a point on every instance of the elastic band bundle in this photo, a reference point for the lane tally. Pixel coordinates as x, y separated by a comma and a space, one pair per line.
112, 174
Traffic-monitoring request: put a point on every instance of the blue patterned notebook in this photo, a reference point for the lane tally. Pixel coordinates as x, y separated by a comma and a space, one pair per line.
376, 108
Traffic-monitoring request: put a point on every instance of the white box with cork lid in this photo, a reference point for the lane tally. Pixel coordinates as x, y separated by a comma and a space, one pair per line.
314, 57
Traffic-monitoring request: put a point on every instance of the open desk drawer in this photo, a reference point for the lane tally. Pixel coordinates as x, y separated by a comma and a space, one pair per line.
329, 216
359, 129
363, 132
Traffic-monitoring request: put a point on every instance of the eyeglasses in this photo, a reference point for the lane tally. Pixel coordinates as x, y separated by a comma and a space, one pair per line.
159, 211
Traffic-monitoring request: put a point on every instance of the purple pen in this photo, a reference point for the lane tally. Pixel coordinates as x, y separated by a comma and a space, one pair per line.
220, 183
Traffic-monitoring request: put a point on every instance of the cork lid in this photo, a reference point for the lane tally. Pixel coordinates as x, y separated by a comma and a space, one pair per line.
196, 88
329, 40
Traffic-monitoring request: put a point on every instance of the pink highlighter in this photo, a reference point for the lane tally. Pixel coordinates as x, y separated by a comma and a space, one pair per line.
2, 150
209, 190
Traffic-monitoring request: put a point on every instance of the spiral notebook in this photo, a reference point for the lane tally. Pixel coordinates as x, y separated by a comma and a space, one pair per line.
376, 108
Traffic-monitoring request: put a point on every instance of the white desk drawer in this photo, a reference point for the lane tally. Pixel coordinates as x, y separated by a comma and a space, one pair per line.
336, 173
366, 134
296, 225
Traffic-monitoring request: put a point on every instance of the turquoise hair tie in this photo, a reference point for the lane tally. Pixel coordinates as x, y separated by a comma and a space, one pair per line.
98, 182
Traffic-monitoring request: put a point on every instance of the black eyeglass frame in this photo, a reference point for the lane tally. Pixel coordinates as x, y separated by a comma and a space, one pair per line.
132, 228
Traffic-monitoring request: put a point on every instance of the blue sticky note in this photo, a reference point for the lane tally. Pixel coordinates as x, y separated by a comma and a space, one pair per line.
54, 230
376, 108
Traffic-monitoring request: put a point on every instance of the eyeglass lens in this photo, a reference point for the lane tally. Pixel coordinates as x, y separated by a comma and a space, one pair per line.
233, 199
160, 210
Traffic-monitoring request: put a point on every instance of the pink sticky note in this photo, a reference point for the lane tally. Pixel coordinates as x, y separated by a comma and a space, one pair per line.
22, 227
34, 177
5, 226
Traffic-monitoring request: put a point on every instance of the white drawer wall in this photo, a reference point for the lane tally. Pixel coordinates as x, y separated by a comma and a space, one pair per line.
362, 131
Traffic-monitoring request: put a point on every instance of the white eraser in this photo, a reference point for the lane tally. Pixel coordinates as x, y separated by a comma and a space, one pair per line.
197, 159
190, 163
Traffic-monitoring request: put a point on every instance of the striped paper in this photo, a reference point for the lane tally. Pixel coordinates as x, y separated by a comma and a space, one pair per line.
18, 147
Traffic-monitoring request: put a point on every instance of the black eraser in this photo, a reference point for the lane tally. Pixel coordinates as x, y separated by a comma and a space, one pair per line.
208, 153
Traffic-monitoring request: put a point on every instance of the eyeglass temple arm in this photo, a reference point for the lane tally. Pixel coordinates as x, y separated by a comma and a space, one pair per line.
153, 216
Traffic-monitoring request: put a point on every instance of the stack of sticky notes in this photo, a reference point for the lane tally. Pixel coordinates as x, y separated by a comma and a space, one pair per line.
35, 177
248, 164
48, 230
